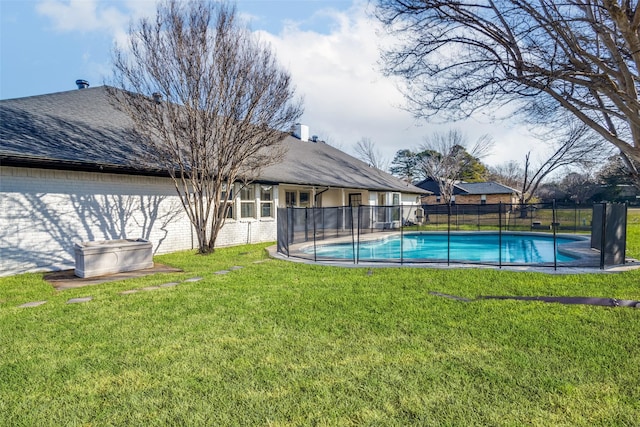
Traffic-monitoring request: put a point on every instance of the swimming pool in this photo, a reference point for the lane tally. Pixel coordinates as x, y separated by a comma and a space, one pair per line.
516, 248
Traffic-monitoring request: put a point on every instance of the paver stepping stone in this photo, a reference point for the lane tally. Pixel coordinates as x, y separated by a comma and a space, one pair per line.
32, 304
222, 272
236, 267
150, 288
260, 261
170, 284
79, 300
194, 279
131, 291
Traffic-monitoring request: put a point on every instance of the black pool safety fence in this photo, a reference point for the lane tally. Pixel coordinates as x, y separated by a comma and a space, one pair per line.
541, 234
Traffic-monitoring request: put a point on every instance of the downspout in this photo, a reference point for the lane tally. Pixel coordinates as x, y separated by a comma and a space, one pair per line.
315, 197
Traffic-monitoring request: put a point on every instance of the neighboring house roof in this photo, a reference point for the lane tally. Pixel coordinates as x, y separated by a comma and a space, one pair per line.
468, 188
82, 130
434, 188
489, 187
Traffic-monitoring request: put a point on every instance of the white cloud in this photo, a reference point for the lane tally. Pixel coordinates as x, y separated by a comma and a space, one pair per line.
82, 15
347, 98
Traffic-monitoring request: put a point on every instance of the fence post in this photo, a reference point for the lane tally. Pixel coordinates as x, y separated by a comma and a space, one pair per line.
500, 234
290, 224
554, 223
603, 239
401, 235
449, 233
353, 239
358, 241
315, 253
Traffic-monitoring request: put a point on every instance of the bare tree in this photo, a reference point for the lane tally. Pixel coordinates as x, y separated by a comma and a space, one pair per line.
543, 57
509, 174
209, 100
367, 152
576, 149
445, 157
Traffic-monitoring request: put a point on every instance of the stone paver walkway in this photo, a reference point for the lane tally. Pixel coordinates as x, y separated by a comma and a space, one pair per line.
32, 304
79, 300
63, 279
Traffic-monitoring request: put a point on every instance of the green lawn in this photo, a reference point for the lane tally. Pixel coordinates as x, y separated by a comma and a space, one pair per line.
278, 343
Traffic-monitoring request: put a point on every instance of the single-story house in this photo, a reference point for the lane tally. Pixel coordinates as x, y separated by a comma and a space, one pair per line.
66, 176
470, 193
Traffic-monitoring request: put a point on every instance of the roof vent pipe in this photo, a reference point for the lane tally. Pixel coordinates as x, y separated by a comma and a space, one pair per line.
82, 84
157, 97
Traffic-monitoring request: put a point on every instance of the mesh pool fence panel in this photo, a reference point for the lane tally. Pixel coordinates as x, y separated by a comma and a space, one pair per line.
354, 231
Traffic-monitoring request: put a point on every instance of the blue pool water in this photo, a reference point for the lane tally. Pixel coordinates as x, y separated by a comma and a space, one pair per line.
470, 247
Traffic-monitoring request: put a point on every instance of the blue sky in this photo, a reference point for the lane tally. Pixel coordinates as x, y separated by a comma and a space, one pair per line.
329, 46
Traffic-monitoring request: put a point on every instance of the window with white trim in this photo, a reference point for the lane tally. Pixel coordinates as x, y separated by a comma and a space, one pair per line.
395, 210
266, 201
227, 197
248, 202
290, 198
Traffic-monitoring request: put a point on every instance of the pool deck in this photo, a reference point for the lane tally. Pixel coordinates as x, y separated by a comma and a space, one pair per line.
588, 259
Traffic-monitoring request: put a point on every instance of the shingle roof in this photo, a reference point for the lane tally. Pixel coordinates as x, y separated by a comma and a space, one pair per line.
81, 129
75, 128
433, 187
489, 187
317, 163
485, 188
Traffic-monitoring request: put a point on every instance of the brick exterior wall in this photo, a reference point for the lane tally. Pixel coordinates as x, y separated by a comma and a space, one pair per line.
43, 213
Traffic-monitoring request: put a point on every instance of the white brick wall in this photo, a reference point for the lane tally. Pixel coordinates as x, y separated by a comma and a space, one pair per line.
43, 213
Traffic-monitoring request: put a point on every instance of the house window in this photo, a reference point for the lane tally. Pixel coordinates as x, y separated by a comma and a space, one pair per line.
395, 213
381, 210
304, 199
290, 198
483, 199
227, 197
248, 202
453, 200
266, 201
355, 199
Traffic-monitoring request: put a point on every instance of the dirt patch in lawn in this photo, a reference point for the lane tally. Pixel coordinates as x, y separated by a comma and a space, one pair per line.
67, 279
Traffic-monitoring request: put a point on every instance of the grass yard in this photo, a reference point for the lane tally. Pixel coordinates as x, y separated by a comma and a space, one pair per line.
284, 344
